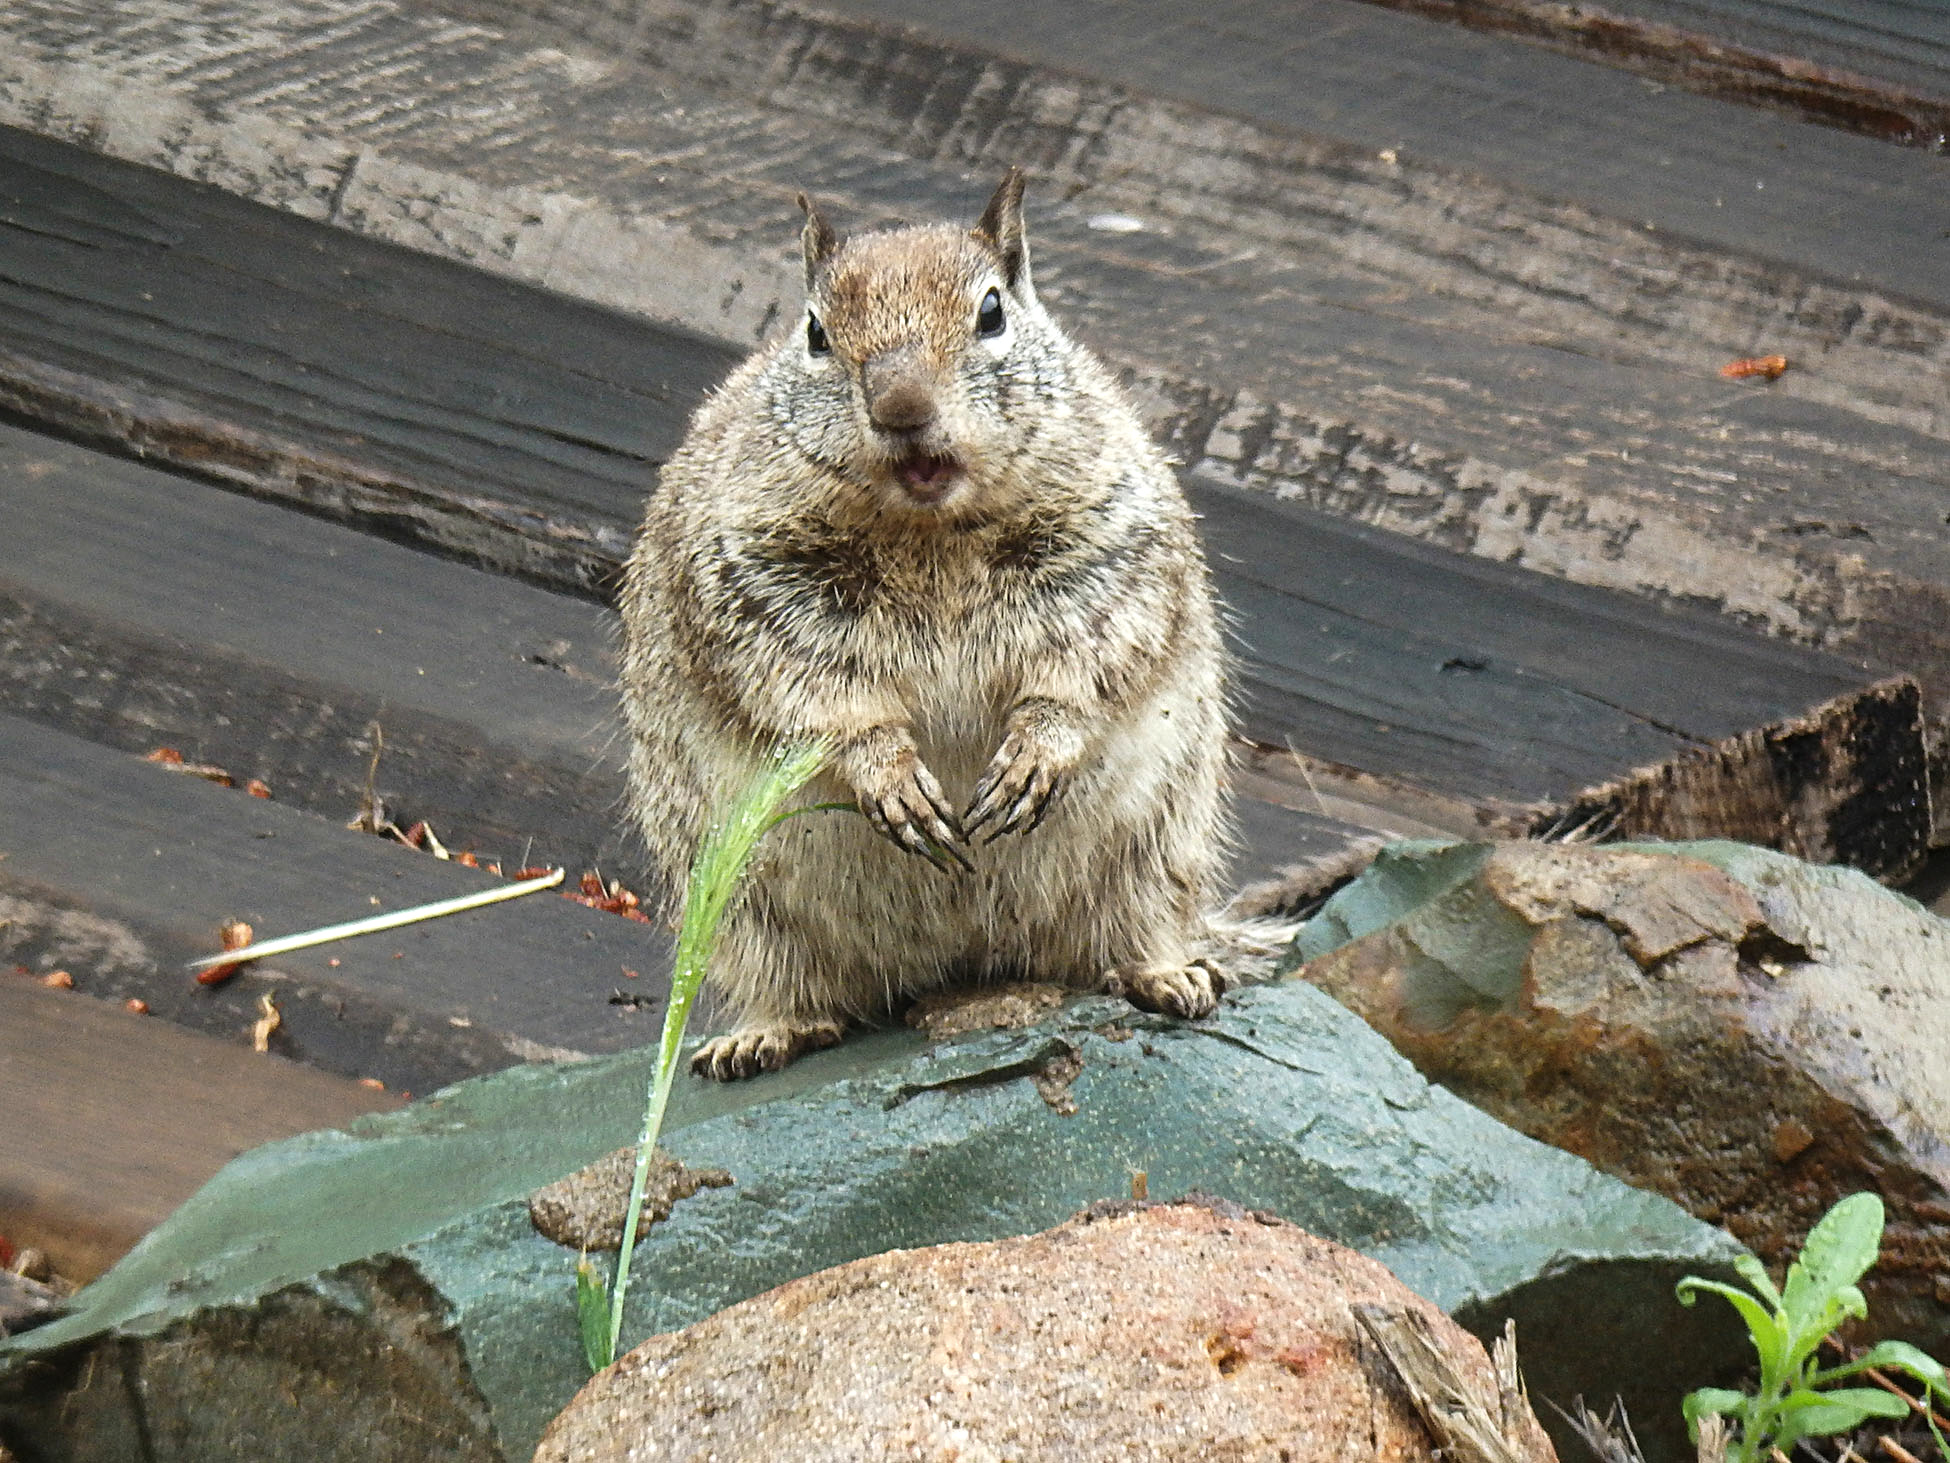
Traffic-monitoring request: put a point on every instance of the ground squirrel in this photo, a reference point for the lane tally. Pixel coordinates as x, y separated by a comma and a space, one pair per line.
925, 525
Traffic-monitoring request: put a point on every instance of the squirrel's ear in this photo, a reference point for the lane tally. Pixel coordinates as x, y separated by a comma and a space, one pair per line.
817, 239
1001, 228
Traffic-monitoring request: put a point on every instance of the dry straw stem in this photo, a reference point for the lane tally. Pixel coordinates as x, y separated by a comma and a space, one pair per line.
285, 944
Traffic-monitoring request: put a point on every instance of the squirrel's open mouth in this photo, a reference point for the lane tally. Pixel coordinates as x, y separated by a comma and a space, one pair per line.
926, 478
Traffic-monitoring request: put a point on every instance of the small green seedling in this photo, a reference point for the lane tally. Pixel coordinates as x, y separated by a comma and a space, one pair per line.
720, 863
1796, 1399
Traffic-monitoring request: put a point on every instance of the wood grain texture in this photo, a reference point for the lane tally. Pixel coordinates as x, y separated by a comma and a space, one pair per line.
140, 610
1456, 323
118, 1118
1506, 692
121, 872
1878, 67
375, 362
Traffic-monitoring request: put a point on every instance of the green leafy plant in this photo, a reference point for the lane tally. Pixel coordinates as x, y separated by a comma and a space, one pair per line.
715, 875
1796, 1398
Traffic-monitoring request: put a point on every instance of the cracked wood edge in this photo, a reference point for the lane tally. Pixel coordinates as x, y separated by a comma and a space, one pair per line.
1467, 1426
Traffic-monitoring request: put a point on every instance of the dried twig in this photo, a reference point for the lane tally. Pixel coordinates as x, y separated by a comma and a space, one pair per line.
371, 817
1610, 1438
1712, 1439
374, 923
269, 1019
1888, 1384
1512, 1402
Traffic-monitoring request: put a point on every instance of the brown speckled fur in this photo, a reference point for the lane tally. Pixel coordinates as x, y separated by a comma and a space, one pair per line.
1045, 622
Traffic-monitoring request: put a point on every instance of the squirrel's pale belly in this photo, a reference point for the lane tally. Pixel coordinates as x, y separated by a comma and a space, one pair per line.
893, 925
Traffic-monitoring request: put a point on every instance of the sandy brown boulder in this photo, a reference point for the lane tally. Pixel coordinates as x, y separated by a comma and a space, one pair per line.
1182, 1331
1750, 1035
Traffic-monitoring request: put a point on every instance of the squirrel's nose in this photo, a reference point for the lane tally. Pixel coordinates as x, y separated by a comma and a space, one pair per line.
898, 391
906, 406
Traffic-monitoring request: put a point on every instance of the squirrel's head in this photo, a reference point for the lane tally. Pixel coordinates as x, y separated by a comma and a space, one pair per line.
925, 368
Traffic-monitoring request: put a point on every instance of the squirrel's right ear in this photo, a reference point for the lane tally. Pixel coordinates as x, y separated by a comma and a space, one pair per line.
817, 239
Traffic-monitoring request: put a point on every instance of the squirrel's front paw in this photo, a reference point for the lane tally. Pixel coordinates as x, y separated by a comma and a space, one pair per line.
1026, 775
904, 802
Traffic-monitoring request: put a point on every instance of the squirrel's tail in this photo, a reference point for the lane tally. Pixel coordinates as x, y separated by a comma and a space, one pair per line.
1248, 950
1251, 935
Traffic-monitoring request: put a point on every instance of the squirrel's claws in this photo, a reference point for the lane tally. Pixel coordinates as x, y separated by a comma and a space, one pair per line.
916, 816
943, 838
992, 797
1051, 791
937, 852
1018, 804
985, 806
942, 823
1026, 814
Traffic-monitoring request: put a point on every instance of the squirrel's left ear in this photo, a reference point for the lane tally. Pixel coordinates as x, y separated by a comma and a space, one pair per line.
1001, 229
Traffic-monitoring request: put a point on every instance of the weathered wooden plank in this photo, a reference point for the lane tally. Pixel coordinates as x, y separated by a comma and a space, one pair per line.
121, 872
1558, 126
1402, 697
1901, 40
1879, 67
1466, 662
368, 363
116, 1118
1490, 685
139, 610
1432, 350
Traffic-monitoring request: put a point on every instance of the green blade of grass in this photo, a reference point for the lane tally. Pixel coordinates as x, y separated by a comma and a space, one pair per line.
592, 1316
715, 872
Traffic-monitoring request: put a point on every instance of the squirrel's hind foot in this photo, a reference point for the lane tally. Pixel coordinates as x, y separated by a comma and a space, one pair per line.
1188, 991
753, 1049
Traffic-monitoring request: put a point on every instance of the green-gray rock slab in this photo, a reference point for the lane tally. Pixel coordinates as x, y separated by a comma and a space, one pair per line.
406, 1238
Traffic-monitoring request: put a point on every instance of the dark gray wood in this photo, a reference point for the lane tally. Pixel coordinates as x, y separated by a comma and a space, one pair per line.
1879, 67
142, 610
121, 872
1492, 686
542, 415
1902, 41
1457, 672
1436, 351
1502, 690
1843, 206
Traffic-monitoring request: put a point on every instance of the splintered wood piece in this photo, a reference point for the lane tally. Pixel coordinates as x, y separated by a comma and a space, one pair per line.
1467, 1426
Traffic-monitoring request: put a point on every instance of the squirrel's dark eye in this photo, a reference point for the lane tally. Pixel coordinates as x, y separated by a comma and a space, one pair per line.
816, 342
988, 320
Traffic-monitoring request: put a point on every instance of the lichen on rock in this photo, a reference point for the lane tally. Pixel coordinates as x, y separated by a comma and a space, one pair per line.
585, 1211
